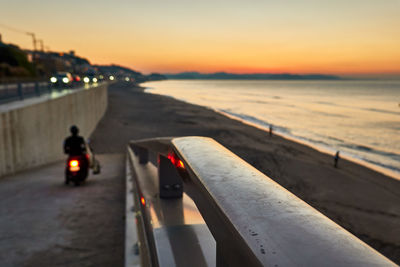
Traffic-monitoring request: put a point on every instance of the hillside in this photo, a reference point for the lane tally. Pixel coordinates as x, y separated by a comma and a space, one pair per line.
14, 62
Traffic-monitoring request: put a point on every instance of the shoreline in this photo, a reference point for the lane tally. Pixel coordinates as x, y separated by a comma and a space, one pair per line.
359, 199
385, 171
326, 150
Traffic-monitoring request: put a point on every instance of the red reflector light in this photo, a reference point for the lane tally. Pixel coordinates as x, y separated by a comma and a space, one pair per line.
180, 164
175, 160
143, 201
171, 158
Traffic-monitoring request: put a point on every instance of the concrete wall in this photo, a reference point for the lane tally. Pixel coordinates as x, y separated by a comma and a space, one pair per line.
32, 134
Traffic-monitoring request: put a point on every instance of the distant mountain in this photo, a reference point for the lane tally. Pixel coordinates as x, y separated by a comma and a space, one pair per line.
255, 76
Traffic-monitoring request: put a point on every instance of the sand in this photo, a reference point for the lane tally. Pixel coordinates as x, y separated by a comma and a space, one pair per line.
361, 200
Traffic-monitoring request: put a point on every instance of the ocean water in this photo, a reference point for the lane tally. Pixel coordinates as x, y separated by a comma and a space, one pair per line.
361, 119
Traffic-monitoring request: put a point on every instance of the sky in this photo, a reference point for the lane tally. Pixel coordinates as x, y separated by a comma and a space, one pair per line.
343, 37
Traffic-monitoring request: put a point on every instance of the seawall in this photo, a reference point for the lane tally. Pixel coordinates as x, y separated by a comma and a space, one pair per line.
32, 131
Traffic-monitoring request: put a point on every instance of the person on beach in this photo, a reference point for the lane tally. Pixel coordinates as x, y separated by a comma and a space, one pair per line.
336, 158
270, 130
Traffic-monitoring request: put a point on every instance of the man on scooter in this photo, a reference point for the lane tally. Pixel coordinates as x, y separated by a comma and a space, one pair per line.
78, 158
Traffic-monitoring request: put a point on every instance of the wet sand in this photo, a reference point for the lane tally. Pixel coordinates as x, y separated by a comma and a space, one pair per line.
361, 200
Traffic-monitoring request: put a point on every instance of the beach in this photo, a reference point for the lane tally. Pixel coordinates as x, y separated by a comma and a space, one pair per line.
361, 200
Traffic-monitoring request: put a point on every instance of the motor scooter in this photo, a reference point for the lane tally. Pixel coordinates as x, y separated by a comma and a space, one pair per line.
77, 169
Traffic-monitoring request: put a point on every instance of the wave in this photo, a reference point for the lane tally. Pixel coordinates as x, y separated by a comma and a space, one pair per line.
258, 102
336, 139
255, 120
371, 150
325, 103
383, 165
366, 109
332, 115
382, 111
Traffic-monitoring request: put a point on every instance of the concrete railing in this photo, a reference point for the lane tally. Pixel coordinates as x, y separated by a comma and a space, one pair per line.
32, 131
254, 220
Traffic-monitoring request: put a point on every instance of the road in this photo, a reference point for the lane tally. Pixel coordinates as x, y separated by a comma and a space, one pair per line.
45, 223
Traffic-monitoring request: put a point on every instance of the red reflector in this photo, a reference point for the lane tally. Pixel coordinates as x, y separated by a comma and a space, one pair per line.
171, 158
180, 164
175, 160
143, 201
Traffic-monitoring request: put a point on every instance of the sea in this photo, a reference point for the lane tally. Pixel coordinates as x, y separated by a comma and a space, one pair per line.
359, 118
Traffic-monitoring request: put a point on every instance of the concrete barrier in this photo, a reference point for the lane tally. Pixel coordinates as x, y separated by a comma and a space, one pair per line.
32, 132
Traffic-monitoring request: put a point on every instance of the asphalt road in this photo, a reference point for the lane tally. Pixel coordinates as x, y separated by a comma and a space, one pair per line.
45, 223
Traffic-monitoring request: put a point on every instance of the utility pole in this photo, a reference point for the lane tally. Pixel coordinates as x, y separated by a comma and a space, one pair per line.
34, 45
34, 40
41, 45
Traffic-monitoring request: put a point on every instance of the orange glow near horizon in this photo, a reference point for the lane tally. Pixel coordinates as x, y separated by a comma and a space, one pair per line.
303, 36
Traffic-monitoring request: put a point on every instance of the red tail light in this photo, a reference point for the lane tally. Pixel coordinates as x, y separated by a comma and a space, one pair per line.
74, 165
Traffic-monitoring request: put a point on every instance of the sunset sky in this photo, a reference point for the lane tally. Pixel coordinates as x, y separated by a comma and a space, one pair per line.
250, 36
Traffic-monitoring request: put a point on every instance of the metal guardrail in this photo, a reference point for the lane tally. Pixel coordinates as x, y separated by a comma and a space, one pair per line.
254, 220
20, 91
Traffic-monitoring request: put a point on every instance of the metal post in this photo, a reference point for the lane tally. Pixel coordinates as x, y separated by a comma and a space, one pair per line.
37, 89
220, 257
143, 155
20, 93
170, 182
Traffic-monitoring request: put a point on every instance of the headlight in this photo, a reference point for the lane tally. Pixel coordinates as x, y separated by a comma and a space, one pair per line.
111, 78
53, 79
95, 80
86, 80
65, 80
127, 79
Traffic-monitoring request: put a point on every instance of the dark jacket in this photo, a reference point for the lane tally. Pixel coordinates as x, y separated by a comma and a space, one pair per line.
74, 145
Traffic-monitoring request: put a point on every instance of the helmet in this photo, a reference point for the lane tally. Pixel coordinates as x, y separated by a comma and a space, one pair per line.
74, 130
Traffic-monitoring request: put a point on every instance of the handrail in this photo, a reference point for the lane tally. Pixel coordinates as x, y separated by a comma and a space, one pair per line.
254, 220
21, 91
